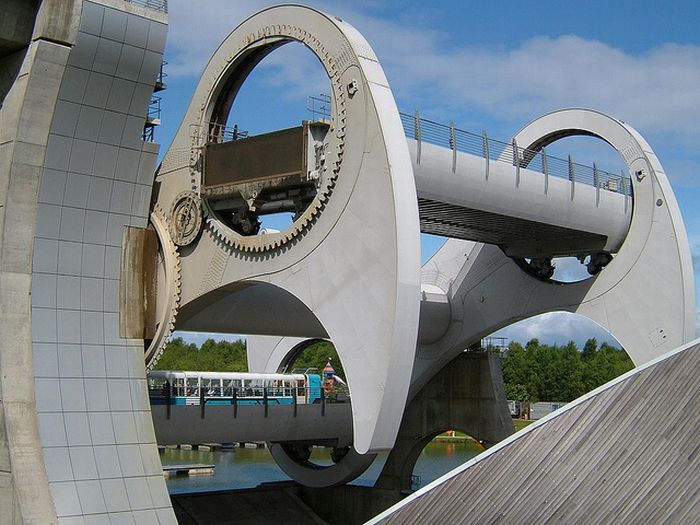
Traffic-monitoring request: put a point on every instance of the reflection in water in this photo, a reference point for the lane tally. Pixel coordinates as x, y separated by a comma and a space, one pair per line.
245, 468
439, 458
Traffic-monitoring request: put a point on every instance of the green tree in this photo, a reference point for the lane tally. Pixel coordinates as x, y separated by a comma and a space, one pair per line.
221, 356
560, 373
316, 356
516, 392
590, 349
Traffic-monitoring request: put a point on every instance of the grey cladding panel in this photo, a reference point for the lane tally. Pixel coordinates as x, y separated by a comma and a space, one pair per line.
120, 95
83, 54
137, 32
97, 89
114, 24
130, 63
74, 84
107, 56
156, 36
96, 440
91, 18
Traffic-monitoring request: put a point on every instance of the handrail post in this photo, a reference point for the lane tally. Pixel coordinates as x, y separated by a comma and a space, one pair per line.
265, 399
417, 131
572, 176
323, 403
294, 399
168, 398
516, 163
453, 145
545, 170
202, 401
596, 182
234, 402
487, 155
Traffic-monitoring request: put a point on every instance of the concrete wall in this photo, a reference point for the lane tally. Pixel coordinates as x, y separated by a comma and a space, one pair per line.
94, 424
29, 91
185, 424
466, 395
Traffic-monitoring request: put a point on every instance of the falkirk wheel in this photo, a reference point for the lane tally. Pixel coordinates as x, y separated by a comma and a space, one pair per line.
102, 260
347, 268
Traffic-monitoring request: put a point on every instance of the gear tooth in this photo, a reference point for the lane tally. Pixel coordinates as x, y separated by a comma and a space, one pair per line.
232, 241
174, 276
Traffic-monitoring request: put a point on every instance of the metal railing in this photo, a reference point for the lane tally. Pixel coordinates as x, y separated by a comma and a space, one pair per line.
255, 395
448, 136
153, 113
160, 78
491, 342
152, 120
319, 107
451, 137
218, 133
156, 5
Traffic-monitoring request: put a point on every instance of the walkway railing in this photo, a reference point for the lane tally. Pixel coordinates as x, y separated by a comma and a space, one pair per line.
319, 107
182, 395
219, 133
448, 136
156, 5
451, 137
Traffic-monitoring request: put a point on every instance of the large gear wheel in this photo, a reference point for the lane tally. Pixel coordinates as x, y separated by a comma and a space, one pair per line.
170, 275
273, 241
185, 218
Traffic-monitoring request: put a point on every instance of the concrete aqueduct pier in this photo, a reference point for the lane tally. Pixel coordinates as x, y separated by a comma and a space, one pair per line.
102, 255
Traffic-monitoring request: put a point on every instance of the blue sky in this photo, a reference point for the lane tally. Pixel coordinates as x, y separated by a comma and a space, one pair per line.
488, 65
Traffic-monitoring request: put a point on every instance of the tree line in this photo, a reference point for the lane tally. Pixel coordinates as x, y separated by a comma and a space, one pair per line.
534, 372
226, 356
540, 372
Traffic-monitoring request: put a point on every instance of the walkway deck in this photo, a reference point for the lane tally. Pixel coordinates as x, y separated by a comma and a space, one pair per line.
628, 452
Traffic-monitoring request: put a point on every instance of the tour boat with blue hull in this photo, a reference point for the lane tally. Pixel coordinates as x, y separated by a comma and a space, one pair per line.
228, 388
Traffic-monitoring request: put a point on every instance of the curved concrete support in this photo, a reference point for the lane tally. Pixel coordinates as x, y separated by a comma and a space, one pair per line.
487, 290
274, 354
361, 284
651, 319
310, 475
27, 104
466, 395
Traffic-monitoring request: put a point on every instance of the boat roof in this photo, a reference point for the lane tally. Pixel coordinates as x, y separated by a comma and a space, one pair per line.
171, 374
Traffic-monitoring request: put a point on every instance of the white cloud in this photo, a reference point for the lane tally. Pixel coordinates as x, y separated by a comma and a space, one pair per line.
556, 328
188, 48
569, 269
655, 90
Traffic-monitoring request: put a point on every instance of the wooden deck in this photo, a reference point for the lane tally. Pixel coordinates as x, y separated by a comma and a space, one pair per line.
629, 452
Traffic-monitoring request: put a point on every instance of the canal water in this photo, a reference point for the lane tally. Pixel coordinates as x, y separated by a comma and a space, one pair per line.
246, 468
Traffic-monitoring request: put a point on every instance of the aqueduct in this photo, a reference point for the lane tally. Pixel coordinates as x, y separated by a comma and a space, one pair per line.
102, 259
